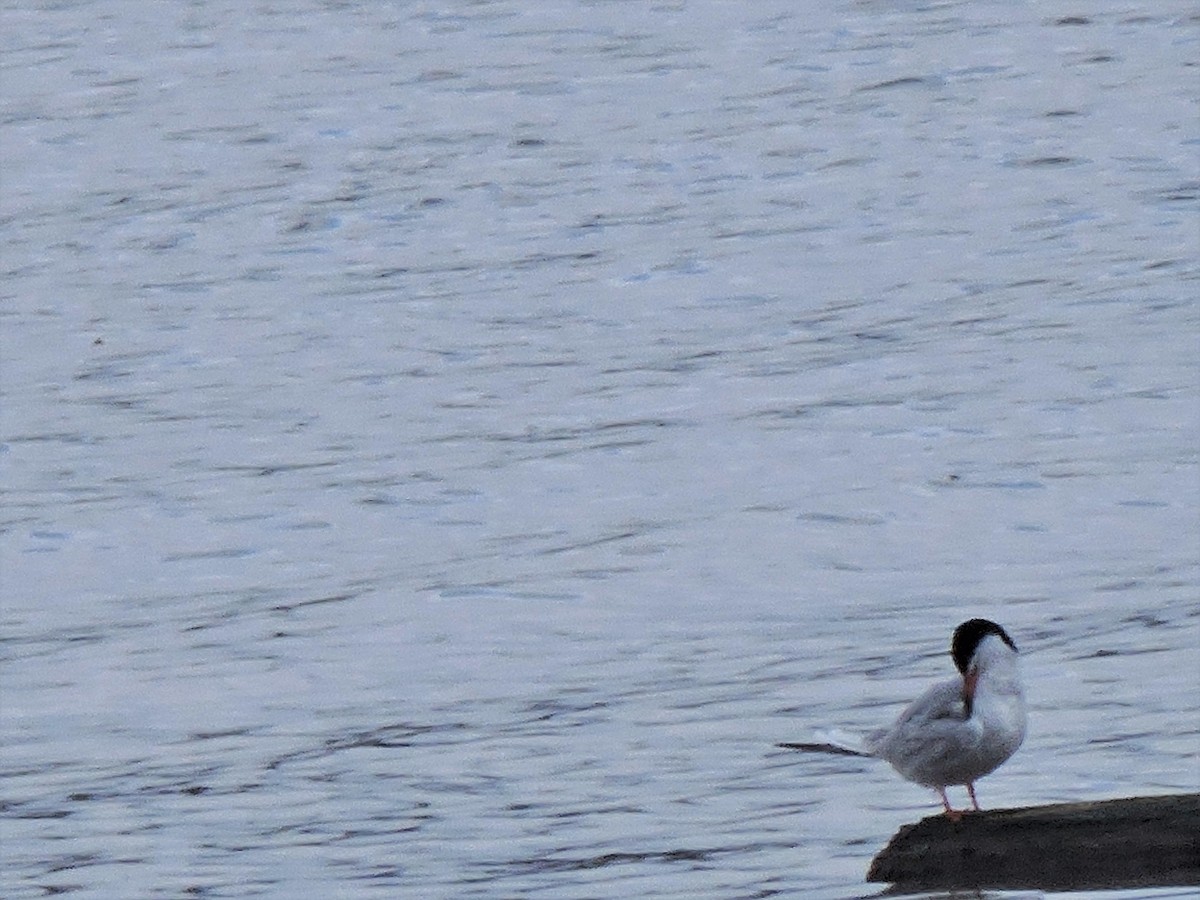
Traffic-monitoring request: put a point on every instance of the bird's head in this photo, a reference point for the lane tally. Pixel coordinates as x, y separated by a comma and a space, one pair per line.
965, 645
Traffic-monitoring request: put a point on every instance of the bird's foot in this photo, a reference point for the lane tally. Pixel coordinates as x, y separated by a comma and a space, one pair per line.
951, 813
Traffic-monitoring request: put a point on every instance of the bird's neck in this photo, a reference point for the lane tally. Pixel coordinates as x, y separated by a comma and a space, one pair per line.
998, 670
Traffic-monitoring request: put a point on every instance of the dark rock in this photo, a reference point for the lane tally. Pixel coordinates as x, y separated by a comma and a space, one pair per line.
1106, 844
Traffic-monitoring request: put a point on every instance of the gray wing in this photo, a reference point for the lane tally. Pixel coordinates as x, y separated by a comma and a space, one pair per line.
941, 705
943, 700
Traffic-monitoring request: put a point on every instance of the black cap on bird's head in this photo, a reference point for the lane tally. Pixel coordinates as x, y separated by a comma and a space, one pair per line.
967, 637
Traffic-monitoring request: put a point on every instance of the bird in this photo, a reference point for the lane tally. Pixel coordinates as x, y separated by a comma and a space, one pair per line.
959, 729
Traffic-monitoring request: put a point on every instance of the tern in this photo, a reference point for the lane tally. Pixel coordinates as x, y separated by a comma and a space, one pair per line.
960, 729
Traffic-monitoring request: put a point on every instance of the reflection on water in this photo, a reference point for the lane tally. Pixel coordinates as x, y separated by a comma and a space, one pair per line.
446, 450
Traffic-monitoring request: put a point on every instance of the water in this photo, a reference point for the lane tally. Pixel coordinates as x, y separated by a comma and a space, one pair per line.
445, 447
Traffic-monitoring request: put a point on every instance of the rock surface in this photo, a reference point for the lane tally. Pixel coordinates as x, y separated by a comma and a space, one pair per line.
1107, 844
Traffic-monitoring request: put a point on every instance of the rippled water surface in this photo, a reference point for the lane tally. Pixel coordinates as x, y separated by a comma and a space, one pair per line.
446, 446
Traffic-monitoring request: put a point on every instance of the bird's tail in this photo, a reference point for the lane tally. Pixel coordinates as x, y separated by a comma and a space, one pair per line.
833, 741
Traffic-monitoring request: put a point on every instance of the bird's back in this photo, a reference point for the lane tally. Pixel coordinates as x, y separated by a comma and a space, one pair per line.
933, 741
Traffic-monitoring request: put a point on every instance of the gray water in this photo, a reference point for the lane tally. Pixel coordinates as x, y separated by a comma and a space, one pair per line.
446, 446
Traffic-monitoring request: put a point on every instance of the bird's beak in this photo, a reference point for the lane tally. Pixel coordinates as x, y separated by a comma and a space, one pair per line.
969, 682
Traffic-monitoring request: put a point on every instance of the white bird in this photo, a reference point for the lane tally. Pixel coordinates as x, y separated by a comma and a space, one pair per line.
958, 730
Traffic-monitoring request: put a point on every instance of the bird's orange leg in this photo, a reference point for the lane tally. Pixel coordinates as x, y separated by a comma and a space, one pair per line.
974, 802
951, 813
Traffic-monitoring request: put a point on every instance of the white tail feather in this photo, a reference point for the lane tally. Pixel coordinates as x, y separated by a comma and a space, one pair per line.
844, 740
833, 741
